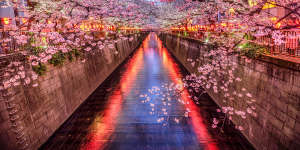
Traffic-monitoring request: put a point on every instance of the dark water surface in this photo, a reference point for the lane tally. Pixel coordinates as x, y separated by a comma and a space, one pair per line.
117, 117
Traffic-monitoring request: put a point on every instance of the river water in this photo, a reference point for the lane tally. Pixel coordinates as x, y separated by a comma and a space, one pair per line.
138, 108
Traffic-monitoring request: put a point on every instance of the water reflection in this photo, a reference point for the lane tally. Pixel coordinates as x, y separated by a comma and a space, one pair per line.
135, 125
124, 114
198, 125
103, 126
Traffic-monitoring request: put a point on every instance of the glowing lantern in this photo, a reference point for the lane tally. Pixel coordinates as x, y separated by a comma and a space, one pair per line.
278, 25
269, 5
273, 19
6, 21
82, 27
24, 20
231, 11
298, 23
252, 3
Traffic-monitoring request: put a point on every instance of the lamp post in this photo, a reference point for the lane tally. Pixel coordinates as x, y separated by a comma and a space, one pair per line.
7, 12
7, 16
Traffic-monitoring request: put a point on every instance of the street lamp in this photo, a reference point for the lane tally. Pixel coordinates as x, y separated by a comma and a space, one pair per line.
6, 11
6, 15
5, 21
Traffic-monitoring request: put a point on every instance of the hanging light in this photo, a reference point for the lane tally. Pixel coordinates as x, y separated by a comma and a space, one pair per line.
268, 5
223, 24
6, 21
278, 25
24, 20
231, 11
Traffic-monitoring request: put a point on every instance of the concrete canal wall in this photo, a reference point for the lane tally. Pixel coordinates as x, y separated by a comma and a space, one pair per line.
274, 83
30, 115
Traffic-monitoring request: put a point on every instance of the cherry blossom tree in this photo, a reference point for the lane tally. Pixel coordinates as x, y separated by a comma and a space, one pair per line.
52, 30
218, 72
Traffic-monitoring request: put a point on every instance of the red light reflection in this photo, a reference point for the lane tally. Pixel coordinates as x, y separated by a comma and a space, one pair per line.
104, 125
196, 118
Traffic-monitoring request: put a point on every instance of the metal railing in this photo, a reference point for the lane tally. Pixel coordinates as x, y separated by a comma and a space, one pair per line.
8, 45
289, 48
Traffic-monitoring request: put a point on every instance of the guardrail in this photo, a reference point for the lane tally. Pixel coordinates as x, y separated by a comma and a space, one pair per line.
8, 45
290, 47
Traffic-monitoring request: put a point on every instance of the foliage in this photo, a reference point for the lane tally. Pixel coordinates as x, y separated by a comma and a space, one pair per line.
76, 52
73, 53
57, 59
70, 56
253, 50
249, 37
40, 69
60, 57
35, 50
